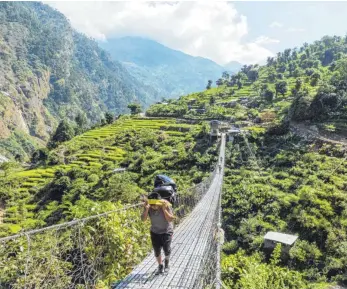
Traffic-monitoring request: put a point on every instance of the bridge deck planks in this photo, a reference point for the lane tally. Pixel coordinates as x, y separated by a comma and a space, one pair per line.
190, 241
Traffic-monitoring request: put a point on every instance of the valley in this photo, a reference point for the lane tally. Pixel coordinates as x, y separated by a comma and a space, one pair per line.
74, 152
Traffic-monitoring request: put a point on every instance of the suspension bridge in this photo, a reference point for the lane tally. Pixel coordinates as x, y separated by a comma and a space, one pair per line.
194, 262
57, 256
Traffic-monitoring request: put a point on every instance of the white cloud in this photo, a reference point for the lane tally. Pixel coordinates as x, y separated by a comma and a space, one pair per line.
276, 24
209, 29
292, 29
261, 40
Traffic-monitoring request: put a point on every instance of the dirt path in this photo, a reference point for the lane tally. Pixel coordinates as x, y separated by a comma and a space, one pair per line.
309, 131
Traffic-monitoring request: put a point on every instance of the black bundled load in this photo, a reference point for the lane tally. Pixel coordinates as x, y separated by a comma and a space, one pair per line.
166, 187
164, 180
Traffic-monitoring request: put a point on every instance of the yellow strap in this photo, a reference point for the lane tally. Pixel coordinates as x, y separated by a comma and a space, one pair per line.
156, 202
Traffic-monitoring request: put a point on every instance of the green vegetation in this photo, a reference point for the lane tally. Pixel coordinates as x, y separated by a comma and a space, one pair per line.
77, 179
284, 184
308, 83
84, 166
135, 108
249, 272
274, 180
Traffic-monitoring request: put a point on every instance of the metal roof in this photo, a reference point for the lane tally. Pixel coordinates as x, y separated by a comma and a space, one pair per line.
280, 237
119, 170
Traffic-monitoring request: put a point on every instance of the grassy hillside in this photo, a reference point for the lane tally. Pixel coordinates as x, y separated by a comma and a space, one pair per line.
83, 167
291, 186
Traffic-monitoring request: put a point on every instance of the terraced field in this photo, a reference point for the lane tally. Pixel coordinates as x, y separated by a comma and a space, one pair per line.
95, 147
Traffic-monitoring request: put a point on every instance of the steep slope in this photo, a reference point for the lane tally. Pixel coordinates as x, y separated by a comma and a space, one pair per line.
305, 84
172, 73
49, 71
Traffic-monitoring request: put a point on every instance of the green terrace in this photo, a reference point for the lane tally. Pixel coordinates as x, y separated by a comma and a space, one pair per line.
96, 147
232, 93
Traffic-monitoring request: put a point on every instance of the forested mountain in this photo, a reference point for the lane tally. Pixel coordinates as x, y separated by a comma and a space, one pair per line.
300, 84
49, 71
170, 72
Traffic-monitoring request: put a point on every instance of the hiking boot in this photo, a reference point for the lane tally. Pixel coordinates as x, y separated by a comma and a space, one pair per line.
160, 270
166, 266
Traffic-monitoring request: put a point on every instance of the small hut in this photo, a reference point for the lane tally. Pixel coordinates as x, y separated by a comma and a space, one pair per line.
272, 238
119, 170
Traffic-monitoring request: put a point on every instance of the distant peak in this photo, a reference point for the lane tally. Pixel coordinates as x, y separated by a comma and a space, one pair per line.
233, 66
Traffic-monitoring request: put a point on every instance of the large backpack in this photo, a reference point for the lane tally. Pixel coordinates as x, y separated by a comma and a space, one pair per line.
164, 180
166, 187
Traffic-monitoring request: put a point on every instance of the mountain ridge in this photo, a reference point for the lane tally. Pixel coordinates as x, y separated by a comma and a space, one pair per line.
49, 72
171, 72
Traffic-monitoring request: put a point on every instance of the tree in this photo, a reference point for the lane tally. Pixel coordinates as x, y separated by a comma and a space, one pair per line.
219, 82
270, 61
298, 84
64, 132
242, 76
135, 108
225, 75
212, 100
209, 83
297, 72
253, 75
269, 95
294, 55
81, 120
18, 158
281, 87
7, 167
309, 72
39, 155
286, 54
314, 78
272, 75
109, 117
291, 68
282, 68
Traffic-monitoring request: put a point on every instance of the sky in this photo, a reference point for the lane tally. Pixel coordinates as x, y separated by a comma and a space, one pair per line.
247, 32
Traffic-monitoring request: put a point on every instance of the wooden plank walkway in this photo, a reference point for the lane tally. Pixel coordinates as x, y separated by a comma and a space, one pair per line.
190, 243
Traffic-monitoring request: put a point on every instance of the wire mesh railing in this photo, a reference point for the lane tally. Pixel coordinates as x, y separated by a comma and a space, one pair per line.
188, 198
91, 252
79, 254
